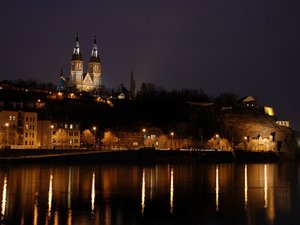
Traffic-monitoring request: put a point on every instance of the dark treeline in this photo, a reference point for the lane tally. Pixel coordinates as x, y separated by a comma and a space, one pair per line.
187, 112
31, 83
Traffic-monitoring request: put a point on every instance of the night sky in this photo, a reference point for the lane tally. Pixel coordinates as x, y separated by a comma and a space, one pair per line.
249, 47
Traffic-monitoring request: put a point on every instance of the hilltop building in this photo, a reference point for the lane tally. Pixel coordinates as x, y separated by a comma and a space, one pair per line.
85, 81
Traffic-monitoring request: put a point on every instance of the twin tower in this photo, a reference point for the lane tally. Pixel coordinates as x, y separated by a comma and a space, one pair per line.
85, 81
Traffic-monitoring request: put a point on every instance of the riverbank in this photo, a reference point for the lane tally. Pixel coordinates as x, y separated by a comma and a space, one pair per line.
133, 156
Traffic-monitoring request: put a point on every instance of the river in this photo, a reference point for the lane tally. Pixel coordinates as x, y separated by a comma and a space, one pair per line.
150, 194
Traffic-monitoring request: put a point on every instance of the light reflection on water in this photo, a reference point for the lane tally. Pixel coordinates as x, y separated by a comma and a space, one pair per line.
4, 197
135, 194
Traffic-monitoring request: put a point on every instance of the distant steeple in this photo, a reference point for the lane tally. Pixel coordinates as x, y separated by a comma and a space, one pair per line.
94, 56
76, 52
62, 80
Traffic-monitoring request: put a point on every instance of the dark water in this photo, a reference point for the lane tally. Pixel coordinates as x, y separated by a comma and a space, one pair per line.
152, 194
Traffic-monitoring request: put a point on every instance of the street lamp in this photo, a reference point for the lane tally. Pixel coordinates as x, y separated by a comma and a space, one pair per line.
94, 129
51, 144
7, 133
172, 134
218, 140
144, 131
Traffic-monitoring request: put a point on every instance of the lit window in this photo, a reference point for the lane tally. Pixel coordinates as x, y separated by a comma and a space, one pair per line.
14, 118
66, 126
26, 126
10, 117
71, 126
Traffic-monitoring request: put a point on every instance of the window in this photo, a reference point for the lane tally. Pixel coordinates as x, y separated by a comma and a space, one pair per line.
66, 126
71, 133
14, 118
75, 141
33, 135
26, 134
32, 127
26, 127
71, 126
25, 142
10, 117
26, 119
76, 133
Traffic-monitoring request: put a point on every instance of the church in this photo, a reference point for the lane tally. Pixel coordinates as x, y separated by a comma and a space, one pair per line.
91, 80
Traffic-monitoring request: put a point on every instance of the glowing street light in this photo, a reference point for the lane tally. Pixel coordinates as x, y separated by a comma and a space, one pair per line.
144, 132
94, 129
52, 127
172, 134
7, 133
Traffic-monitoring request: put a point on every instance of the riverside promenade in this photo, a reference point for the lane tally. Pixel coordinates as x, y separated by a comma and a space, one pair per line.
131, 156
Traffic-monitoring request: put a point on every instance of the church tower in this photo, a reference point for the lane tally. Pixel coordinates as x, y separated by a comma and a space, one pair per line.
94, 69
76, 65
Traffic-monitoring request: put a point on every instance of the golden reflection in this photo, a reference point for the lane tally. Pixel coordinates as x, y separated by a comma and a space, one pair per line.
171, 191
56, 222
143, 193
35, 212
50, 192
265, 186
217, 188
22, 222
69, 187
69, 216
107, 215
93, 194
246, 186
4, 197
151, 185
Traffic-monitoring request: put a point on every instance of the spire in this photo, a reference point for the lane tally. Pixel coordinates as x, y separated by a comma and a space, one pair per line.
94, 56
76, 52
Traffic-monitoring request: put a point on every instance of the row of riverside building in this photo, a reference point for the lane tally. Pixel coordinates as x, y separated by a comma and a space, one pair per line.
20, 129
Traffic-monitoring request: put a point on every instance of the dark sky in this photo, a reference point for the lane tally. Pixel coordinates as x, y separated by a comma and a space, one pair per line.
249, 47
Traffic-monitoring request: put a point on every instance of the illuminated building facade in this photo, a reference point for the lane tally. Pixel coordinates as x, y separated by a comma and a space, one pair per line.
283, 123
65, 134
18, 129
85, 81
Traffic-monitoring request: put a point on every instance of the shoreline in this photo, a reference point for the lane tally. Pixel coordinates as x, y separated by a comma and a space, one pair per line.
133, 156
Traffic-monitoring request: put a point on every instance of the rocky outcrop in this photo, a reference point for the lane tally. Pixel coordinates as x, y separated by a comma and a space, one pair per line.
251, 129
